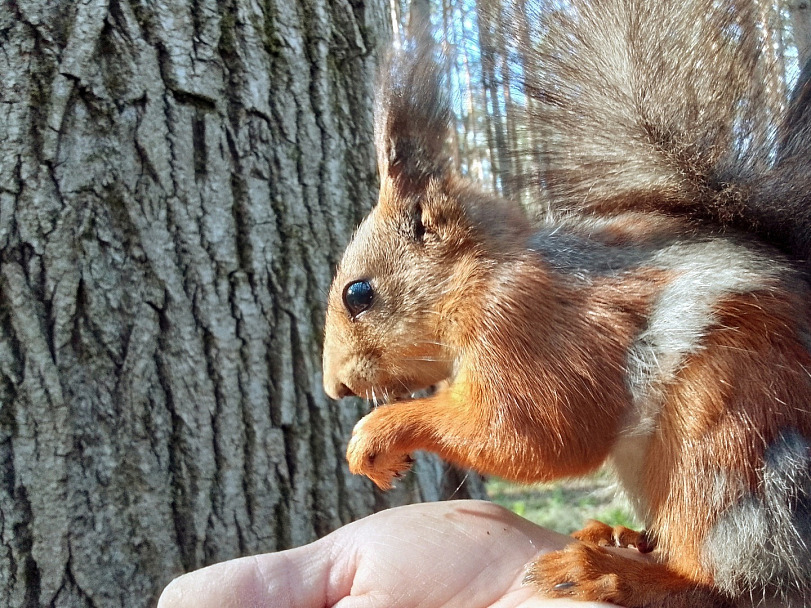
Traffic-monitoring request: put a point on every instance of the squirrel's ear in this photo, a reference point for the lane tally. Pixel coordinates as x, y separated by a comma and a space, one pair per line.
412, 118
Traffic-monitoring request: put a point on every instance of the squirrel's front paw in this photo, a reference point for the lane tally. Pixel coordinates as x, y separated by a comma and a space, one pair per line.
372, 454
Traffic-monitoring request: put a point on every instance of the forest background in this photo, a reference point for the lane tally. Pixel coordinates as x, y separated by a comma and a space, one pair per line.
177, 183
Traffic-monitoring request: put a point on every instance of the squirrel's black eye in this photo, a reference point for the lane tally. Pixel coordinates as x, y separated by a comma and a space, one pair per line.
358, 297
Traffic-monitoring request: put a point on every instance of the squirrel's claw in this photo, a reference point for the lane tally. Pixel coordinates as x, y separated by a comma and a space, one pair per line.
370, 454
614, 536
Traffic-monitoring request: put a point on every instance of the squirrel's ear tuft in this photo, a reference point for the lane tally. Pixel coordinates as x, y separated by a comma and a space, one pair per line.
412, 118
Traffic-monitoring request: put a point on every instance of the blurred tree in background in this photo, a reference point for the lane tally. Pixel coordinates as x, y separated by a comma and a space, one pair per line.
492, 47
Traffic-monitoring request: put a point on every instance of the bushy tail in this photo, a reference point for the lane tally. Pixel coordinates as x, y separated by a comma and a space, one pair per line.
673, 106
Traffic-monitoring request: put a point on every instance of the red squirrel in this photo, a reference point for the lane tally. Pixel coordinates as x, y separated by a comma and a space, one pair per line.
662, 324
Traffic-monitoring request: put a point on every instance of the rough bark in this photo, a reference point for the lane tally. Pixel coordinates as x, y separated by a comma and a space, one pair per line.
177, 180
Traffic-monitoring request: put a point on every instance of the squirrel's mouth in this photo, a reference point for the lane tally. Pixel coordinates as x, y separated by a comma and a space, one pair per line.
389, 398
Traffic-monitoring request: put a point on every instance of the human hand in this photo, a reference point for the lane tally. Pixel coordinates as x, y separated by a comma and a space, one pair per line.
465, 554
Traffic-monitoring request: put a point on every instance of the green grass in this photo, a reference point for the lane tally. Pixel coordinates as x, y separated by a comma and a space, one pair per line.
565, 506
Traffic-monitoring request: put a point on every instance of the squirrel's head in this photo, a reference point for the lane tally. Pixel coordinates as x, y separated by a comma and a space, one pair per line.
414, 263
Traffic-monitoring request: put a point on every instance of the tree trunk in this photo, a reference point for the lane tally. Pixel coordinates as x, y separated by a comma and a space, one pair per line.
177, 181
800, 14
496, 138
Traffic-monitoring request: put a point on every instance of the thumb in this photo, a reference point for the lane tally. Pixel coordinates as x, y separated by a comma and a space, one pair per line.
299, 578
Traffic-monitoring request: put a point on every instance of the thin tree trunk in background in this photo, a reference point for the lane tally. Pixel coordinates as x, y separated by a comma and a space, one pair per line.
511, 170
474, 152
496, 137
491, 113
396, 20
177, 182
532, 145
800, 13
800, 107
419, 21
774, 93
449, 51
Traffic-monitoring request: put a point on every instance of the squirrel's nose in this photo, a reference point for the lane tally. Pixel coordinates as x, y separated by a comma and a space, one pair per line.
338, 390
344, 391
335, 368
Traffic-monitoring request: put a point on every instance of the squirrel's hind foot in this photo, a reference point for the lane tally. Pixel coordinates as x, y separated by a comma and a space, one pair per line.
587, 572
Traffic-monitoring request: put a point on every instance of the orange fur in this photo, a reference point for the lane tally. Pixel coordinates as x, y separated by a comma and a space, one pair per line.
520, 386
731, 401
674, 350
619, 579
598, 533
